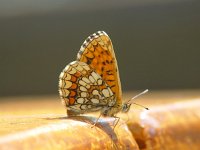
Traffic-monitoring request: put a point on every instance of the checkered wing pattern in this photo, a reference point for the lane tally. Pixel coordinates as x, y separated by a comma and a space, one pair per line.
97, 51
83, 90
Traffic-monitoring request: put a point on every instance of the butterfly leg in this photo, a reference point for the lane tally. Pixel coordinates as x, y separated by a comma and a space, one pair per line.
96, 121
116, 121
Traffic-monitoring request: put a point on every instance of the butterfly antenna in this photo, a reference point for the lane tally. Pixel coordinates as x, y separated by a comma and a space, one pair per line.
144, 92
141, 106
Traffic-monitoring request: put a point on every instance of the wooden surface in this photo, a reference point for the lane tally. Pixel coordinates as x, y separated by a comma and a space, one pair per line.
173, 122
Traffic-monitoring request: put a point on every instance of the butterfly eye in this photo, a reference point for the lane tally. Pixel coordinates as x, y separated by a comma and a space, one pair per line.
125, 107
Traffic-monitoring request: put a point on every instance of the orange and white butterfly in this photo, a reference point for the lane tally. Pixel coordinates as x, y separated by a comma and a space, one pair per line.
92, 82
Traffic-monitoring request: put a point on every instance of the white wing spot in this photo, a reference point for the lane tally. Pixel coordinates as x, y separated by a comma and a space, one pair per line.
80, 100
65, 93
65, 76
82, 88
83, 106
66, 68
75, 107
99, 82
94, 100
95, 92
86, 80
68, 77
101, 43
60, 83
83, 94
81, 82
86, 100
111, 93
106, 92
79, 68
82, 48
87, 86
67, 84
60, 92
91, 79
89, 106
72, 71
61, 75
96, 77
73, 62
78, 56
86, 67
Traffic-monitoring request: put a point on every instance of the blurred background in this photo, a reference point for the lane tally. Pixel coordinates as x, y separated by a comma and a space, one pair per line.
157, 42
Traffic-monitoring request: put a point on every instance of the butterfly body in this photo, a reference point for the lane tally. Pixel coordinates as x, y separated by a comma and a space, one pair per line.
92, 82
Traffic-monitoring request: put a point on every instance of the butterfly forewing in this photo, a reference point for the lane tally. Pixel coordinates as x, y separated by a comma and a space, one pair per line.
83, 90
97, 51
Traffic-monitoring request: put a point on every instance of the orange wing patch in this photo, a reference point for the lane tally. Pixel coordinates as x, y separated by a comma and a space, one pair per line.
97, 51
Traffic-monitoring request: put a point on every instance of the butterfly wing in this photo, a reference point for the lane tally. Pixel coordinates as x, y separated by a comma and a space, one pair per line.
83, 90
97, 51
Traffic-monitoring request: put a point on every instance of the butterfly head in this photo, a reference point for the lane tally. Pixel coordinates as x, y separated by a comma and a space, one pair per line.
126, 107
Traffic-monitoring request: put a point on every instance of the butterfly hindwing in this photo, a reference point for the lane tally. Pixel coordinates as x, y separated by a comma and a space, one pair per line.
97, 51
83, 90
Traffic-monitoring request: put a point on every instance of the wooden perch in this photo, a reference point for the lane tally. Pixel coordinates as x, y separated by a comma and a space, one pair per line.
73, 133
40, 123
169, 126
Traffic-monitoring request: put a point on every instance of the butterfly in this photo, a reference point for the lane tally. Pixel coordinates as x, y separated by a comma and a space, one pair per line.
92, 83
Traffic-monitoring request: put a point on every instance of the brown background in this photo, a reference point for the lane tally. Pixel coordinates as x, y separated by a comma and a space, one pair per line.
157, 44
